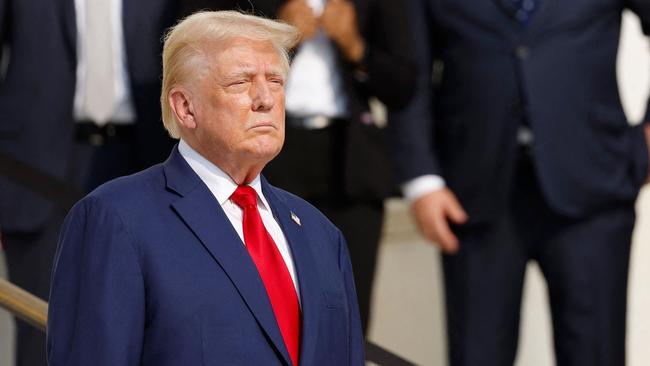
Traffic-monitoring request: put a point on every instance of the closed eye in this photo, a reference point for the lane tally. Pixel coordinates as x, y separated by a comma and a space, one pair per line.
238, 82
277, 82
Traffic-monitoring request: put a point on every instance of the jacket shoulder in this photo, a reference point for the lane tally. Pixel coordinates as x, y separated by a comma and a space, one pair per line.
131, 191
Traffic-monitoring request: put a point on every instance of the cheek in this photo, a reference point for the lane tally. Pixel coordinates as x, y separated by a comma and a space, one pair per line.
280, 99
279, 106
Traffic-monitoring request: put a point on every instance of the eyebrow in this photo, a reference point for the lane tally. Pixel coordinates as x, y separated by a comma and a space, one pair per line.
249, 71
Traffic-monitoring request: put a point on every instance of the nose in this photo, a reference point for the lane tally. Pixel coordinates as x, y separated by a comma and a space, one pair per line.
262, 97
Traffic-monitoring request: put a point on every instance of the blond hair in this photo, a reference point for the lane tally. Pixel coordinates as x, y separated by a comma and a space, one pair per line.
184, 52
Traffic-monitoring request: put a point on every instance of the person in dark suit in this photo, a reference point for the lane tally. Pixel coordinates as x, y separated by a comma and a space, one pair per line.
199, 260
516, 148
350, 52
264, 8
46, 125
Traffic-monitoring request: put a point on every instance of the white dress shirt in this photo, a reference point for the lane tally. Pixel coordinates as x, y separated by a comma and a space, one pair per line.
421, 186
222, 187
124, 112
315, 86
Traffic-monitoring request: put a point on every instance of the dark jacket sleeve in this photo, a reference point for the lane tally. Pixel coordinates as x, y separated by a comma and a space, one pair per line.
96, 311
411, 129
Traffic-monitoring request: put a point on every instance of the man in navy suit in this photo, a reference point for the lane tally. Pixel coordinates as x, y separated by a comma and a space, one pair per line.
199, 260
517, 148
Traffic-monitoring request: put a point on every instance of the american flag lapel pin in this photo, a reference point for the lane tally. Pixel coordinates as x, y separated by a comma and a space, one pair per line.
295, 218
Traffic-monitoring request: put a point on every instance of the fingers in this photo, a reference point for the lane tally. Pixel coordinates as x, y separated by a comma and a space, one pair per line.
433, 213
443, 235
299, 14
455, 211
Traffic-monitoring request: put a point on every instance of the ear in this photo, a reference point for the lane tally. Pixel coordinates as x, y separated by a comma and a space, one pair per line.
181, 103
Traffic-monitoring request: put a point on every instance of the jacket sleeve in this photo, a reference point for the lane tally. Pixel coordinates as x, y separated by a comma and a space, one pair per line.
96, 311
357, 344
412, 128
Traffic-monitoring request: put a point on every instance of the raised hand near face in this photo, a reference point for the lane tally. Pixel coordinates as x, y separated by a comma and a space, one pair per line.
339, 21
299, 14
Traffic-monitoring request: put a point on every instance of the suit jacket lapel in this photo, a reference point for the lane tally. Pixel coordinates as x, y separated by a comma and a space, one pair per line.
204, 216
308, 279
539, 19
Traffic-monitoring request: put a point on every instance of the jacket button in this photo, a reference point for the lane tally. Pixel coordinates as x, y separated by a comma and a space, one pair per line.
522, 52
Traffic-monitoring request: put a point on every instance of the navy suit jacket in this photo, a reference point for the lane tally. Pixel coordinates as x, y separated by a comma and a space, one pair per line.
38, 40
149, 271
491, 73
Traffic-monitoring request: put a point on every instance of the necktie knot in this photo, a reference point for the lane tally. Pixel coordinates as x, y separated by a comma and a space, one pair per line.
244, 196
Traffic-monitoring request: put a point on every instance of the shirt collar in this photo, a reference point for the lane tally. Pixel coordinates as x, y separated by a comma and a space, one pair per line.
218, 182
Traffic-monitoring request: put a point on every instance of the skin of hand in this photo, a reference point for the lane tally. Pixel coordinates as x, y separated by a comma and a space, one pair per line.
433, 212
339, 21
299, 14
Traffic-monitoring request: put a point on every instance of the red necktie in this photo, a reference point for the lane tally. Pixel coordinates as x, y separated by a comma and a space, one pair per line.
272, 269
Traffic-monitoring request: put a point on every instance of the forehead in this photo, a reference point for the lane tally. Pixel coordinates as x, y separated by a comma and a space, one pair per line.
238, 53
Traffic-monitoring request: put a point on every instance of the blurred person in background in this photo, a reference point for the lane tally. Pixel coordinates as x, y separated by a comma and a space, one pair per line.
79, 102
516, 148
264, 8
350, 51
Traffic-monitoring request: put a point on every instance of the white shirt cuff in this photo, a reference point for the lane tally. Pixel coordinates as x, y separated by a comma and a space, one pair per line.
420, 186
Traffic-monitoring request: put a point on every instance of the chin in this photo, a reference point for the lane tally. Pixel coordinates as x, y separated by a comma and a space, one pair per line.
267, 144
265, 152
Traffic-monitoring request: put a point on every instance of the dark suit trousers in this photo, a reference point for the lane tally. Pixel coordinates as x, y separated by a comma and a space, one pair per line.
311, 166
585, 263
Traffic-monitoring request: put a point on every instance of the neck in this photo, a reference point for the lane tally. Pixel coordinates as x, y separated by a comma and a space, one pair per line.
241, 175
242, 170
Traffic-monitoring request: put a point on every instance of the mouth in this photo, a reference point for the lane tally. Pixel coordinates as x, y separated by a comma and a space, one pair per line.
263, 125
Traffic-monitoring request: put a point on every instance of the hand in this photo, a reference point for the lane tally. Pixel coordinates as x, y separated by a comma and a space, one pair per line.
339, 21
299, 14
646, 129
432, 213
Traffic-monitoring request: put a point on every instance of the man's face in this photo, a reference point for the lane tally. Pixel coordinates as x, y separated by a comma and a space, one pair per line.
239, 104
